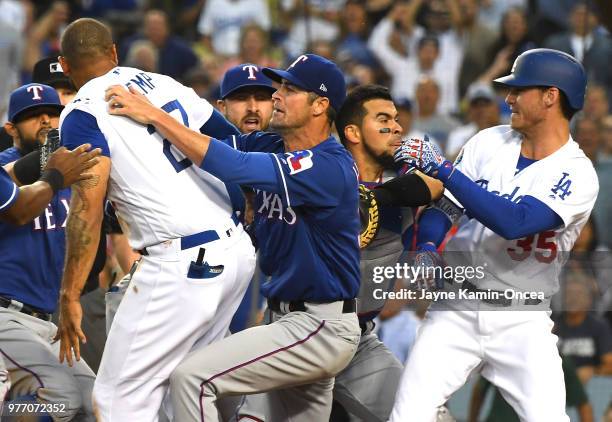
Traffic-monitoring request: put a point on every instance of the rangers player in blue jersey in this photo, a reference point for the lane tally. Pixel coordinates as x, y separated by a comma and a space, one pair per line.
31, 258
307, 227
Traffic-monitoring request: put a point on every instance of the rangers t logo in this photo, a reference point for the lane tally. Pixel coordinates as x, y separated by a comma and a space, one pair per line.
252, 69
36, 90
562, 186
299, 161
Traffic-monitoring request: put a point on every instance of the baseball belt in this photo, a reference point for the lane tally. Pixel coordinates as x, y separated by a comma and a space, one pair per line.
279, 306
198, 239
5, 302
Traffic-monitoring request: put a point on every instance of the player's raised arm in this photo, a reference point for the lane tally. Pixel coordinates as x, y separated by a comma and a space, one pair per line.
136, 106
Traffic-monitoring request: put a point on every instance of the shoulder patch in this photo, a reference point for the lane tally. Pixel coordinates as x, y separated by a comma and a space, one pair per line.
299, 161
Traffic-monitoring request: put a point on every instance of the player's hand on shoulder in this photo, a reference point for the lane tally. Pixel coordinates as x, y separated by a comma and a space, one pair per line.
421, 154
129, 102
73, 165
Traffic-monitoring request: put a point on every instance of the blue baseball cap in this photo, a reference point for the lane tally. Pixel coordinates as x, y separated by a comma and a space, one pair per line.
316, 74
29, 96
243, 75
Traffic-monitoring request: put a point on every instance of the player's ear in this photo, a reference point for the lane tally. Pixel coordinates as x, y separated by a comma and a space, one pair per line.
352, 133
221, 106
551, 95
11, 130
114, 56
64, 64
320, 106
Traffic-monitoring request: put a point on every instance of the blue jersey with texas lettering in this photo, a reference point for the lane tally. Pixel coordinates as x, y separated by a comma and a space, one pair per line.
308, 232
8, 190
32, 255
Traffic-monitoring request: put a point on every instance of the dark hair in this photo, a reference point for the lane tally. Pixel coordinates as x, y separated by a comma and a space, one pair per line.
566, 108
85, 38
428, 39
331, 113
352, 111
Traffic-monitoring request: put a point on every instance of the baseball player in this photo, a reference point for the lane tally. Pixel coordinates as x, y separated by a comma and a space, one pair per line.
521, 194
369, 129
197, 261
31, 258
307, 229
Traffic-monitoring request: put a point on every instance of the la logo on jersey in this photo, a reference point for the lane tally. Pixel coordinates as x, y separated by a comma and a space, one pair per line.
299, 161
562, 187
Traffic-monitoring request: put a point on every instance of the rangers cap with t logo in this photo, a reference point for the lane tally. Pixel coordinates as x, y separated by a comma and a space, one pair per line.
241, 76
30, 96
316, 74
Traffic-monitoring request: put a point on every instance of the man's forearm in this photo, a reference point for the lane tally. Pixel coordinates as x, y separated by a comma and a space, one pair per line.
82, 238
191, 143
31, 202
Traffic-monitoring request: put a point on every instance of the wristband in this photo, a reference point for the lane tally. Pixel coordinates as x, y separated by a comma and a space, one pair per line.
27, 168
54, 178
445, 171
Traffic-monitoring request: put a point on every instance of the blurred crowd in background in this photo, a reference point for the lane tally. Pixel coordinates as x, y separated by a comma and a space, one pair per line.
438, 57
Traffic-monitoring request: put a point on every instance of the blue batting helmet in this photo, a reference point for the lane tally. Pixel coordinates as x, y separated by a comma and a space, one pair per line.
546, 67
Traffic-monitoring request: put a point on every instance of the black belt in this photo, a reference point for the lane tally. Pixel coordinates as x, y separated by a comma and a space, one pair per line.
23, 308
349, 306
500, 300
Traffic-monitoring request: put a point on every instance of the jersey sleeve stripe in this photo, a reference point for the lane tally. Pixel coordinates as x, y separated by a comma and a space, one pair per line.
282, 174
11, 199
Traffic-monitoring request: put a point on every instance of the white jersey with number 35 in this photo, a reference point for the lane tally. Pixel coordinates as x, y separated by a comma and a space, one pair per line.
157, 193
565, 181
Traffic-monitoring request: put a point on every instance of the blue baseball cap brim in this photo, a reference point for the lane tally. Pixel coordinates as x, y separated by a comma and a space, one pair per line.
16, 116
277, 75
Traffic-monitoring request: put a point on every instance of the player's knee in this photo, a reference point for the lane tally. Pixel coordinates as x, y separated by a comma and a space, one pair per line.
183, 378
62, 389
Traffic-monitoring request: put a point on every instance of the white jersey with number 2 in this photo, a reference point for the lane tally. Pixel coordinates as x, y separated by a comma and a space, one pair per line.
157, 192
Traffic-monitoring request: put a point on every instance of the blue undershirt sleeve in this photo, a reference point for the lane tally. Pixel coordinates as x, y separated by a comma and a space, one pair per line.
254, 169
508, 219
218, 127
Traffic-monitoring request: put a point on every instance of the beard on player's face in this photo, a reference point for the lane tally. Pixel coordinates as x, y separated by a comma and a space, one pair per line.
30, 142
382, 158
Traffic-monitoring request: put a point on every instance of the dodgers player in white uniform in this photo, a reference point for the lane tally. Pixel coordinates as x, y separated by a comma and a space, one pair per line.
197, 261
527, 190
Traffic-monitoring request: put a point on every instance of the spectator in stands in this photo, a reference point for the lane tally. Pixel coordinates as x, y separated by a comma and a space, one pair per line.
491, 12
513, 40
596, 104
551, 16
314, 20
404, 112
483, 112
477, 37
354, 31
43, 37
586, 338
586, 133
175, 56
12, 21
405, 71
143, 55
221, 22
606, 139
428, 120
591, 48
199, 80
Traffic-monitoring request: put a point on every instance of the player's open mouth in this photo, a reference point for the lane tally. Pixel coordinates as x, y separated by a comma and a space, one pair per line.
253, 121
